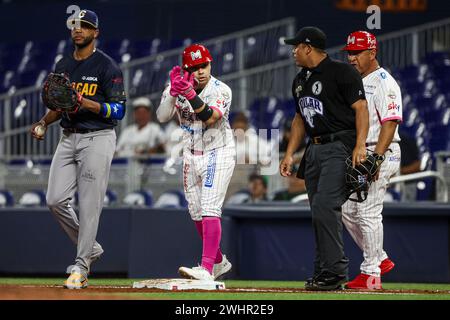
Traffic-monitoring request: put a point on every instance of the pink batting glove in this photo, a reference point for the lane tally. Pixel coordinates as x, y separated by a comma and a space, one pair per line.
175, 76
185, 85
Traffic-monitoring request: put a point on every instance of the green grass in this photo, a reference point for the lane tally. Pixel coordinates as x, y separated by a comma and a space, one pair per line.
254, 295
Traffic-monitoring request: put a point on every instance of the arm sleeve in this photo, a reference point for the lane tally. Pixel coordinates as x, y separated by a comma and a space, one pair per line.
220, 101
389, 101
166, 108
350, 84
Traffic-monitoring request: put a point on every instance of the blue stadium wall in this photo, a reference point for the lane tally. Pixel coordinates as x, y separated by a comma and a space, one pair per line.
166, 19
264, 243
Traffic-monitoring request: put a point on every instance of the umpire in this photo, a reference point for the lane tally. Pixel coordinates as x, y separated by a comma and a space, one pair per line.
331, 109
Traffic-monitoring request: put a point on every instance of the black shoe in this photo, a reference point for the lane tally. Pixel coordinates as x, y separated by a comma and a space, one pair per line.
309, 283
326, 281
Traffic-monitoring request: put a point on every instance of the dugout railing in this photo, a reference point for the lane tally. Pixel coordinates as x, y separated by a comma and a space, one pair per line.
267, 73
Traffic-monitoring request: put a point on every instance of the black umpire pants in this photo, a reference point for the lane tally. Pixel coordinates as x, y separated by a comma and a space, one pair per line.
325, 183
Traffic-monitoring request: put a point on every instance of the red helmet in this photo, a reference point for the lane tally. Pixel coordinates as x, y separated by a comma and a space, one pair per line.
360, 40
194, 55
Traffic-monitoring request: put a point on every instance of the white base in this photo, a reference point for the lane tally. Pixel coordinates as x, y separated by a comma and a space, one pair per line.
179, 284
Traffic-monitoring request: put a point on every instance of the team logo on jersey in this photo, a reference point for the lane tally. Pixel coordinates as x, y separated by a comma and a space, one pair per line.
187, 114
393, 106
317, 88
391, 95
85, 89
383, 75
298, 90
196, 55
394, 158
225, 95
309, 107
210, 169
84, 78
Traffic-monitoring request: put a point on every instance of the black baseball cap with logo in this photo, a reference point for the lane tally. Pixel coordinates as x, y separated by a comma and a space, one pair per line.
87, 16
309, 35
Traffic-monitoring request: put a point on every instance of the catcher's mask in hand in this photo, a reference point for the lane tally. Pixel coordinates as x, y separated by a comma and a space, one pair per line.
358, 179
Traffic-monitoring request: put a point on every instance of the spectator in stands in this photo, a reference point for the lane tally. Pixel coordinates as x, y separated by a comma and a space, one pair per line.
295, 187
142, 137
250, 148
257, 186
409, 163
256, 192
285, 141
410, 159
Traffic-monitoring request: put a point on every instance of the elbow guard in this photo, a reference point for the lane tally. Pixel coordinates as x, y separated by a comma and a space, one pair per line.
113, 110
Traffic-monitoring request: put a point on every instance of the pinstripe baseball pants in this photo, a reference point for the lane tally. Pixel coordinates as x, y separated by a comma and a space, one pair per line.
363, 220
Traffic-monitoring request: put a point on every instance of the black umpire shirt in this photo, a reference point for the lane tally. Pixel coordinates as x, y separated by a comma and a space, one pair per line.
324, 96
97, 78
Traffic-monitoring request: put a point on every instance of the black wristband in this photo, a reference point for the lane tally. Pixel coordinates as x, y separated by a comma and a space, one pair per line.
196, 102
205, 114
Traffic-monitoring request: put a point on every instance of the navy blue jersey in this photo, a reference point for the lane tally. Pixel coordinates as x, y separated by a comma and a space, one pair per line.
324, 96
97, 78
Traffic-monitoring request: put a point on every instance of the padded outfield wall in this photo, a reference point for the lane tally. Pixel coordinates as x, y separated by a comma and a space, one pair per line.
273, 242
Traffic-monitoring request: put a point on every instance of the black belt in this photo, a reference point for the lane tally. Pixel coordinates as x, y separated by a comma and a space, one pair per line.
371, 144
327, 138
76, 130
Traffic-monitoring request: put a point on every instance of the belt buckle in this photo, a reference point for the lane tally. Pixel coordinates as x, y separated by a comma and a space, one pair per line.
317, 140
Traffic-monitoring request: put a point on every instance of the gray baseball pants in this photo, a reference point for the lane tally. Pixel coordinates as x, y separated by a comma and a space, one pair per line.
81, 162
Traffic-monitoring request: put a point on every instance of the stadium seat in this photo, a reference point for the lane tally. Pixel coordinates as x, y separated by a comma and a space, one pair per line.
392, 195
438, 58
139, 198
239, 197
110, 198
34, 198
6, 199
426, 190
171, 199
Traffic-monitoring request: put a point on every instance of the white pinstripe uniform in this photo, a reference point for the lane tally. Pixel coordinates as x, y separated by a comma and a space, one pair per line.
209, 154
363, 219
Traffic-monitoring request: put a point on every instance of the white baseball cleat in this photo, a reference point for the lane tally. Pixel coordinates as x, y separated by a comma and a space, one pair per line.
76, 280
222, 267
198, 273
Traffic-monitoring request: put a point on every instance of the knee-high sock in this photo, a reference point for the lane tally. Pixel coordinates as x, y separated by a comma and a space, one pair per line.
199, 226
212, 232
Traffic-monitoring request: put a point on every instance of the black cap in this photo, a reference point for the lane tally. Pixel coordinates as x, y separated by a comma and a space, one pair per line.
309, 35
87, 16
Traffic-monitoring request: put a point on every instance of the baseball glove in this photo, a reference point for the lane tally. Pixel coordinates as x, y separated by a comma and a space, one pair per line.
59, 95
358, 179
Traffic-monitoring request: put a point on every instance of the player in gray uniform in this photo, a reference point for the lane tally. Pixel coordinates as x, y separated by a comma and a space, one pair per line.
83, 157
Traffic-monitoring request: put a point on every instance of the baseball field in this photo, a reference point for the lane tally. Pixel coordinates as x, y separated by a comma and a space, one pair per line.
121, 289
